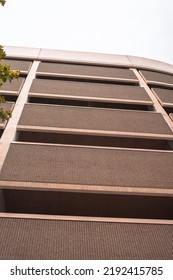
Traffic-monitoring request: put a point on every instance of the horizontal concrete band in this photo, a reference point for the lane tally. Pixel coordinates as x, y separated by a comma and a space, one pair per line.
88, 166
76, 188
44, 97
85, 218
86, 57
86, 78
54, 131
53, 239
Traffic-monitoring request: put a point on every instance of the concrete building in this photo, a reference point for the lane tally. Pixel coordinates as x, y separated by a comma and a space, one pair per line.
87, 158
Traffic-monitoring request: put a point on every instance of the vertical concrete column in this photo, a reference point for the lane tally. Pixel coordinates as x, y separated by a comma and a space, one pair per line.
10, 129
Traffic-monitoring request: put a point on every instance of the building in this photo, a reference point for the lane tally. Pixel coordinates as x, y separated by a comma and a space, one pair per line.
87, 157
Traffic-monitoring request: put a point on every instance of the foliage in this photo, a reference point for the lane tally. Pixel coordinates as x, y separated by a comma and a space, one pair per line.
2, 52
4, 115
2, 2
6, 74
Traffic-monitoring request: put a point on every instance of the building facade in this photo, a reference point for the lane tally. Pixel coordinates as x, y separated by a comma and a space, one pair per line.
86, 159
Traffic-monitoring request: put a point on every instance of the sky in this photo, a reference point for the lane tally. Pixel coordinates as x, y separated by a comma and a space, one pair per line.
129, 27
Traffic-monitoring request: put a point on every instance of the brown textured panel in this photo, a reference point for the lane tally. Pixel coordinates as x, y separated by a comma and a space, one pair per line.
15, 85
94, 119
21, 65
88, 166
165, 95
86, 70
152, 76
45, 239
89, 90
171, 116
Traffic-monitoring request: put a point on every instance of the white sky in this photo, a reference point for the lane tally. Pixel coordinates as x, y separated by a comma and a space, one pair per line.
133, 27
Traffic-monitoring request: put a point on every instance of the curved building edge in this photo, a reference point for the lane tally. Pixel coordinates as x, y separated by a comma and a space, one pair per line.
88, 57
